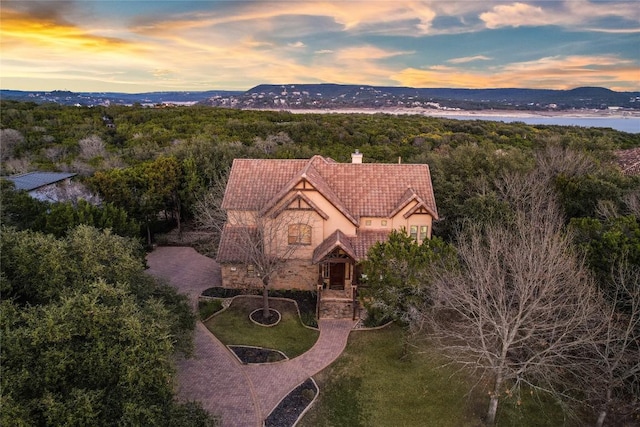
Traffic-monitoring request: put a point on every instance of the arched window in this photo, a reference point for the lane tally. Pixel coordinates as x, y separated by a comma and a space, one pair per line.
299, 234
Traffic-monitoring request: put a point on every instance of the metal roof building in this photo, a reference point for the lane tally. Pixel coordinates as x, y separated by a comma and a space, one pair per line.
34, 180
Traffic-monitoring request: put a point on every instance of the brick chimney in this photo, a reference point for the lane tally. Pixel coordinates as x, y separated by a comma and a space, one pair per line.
356, 158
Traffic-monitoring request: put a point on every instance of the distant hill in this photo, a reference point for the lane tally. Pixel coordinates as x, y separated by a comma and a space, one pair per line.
332, 95
328, 96
106, 98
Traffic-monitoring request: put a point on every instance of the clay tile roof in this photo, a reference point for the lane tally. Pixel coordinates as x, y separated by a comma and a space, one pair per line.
229, 249
337, 239
357, 190
629, 160
254, 182
365, 239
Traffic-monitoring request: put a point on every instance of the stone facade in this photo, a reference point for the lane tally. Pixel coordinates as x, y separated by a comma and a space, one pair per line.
295, 274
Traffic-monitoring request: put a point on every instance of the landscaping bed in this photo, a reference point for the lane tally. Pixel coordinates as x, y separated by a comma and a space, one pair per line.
249, 354
293, 405
257, 316
233, 327
306, 300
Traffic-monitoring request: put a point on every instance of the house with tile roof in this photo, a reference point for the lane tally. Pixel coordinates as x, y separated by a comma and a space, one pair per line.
347, 207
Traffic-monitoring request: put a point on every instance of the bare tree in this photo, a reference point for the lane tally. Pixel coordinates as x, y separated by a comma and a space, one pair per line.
519, 306
611, 377
265, 241
91, 146
9, 140
554, 160
209, 214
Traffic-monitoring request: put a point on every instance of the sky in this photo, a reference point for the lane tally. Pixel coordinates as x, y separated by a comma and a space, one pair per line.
160, 45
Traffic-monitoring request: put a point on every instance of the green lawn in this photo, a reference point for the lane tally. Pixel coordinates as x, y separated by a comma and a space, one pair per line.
372, 384
233, 326
206, 307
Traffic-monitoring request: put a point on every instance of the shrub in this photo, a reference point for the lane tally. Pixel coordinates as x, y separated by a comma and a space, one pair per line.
376, 316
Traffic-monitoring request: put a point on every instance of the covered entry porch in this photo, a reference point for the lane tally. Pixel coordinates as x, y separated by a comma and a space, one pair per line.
337, 273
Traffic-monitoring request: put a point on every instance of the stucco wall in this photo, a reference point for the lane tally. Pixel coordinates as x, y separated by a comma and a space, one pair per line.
399, 221
336, 221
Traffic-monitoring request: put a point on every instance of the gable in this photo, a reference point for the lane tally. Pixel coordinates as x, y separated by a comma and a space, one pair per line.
304, 185
355, 190
420, 208
299, 202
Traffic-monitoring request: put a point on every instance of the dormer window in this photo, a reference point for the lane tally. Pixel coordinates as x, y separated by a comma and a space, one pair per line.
299, 234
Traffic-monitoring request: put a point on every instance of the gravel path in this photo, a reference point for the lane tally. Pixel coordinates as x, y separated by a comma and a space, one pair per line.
243, 395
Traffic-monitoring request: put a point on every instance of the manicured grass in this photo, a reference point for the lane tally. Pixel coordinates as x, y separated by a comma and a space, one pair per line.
375, 383
207, 307
234, 327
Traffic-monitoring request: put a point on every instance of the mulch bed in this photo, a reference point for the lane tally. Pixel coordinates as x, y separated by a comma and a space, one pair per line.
293, 405
258, 317
248, 354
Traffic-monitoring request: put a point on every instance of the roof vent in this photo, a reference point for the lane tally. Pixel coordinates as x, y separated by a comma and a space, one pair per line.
356, 158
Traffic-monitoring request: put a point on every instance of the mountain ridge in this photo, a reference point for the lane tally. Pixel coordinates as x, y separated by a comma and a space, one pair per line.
333, 95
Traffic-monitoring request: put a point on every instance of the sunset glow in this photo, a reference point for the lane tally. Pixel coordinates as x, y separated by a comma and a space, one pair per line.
139, 46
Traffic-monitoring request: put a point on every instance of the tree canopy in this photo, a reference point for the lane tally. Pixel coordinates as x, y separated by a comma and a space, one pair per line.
88, 337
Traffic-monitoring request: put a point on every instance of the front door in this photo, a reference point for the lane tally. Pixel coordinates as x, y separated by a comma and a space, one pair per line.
336, 277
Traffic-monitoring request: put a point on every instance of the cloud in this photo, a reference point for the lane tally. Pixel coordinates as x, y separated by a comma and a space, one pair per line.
368, 53
514, 15
466, 59
162, 73
57, 12
557, 72
236, 44
351, 16
577, 14
19, 29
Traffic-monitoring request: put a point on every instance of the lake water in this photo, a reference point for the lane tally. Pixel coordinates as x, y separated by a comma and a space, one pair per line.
624, 124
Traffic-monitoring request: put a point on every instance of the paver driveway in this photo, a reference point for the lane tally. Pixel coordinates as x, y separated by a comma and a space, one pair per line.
243, 395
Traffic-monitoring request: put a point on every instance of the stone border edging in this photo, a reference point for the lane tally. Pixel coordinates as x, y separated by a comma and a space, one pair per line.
263, 325
374, 328
260, 348
305, 409
225, 305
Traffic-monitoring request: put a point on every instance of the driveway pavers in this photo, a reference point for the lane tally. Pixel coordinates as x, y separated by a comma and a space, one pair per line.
243, 395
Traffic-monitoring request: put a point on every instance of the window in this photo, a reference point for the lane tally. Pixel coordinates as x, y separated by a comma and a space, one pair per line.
413, 232
299, 234
424, 232
383, 222
367, 222
325, 270
419, 233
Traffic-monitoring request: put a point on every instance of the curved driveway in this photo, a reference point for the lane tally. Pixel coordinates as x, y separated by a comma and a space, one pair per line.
243, 395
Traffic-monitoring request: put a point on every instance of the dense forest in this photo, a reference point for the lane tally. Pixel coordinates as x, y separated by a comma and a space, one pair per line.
152, 168
189, 149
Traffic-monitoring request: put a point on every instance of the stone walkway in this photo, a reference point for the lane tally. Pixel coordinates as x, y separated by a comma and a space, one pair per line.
243, 395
